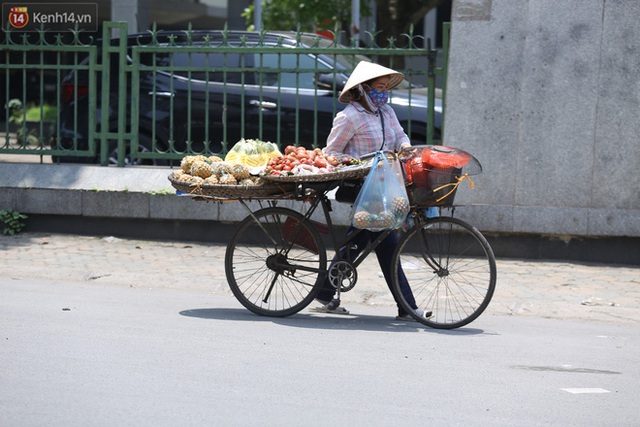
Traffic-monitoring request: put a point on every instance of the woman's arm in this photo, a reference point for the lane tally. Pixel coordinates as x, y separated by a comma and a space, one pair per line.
402, 140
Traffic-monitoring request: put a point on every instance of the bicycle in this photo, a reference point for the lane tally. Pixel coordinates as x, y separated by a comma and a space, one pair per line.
277, 260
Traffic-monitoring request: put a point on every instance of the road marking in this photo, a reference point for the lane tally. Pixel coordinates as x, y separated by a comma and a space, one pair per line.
565, 368
585, 390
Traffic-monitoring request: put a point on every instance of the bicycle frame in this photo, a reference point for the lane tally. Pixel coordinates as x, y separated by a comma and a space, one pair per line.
452, 267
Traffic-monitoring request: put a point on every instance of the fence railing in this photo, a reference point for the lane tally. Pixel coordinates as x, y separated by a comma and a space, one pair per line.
155, 97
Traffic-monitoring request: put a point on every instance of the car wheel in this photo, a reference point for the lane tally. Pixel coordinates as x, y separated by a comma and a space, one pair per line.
144, 146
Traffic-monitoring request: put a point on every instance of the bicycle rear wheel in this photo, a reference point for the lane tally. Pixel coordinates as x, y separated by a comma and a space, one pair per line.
451, 270
275, 262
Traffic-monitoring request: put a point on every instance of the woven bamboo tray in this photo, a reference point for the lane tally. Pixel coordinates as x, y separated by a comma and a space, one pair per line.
232, 192
350, 172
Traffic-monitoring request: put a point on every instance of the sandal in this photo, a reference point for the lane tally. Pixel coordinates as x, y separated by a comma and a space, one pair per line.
331, 307
408, 318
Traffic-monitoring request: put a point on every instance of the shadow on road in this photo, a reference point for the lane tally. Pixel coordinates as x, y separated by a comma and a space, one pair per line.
321, 321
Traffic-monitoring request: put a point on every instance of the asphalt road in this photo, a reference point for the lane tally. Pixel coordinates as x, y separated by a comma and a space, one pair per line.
105, 354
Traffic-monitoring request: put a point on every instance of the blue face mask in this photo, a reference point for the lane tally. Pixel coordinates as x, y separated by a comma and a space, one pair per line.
378, 98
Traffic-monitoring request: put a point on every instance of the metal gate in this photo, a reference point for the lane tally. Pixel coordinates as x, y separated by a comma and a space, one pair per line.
156, 97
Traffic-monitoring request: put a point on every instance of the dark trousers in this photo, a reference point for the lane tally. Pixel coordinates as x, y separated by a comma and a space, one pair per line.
384, 252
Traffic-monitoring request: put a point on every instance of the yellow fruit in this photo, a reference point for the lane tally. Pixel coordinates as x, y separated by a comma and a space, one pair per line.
252, 152
231, 157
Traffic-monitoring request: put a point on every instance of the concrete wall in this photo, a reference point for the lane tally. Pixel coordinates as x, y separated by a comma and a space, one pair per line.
546, 94
139, 202
140, 193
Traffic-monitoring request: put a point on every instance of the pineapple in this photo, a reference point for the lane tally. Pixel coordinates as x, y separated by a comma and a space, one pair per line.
228, 179
187, 161
185, 177
195, 180
400, 206
175, 175
361, 220
240, 171
386, 220
247, 181
201, 168
221, 168
214, 159
212, 180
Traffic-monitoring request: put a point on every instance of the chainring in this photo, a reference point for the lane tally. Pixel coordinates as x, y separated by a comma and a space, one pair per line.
343, 275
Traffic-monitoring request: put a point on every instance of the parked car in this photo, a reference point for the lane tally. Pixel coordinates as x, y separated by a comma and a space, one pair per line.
187, 108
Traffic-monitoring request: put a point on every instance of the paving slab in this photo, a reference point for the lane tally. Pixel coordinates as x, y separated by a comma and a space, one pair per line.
547, 289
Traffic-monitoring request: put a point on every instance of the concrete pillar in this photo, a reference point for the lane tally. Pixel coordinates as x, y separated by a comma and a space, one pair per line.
134, 12
234, 10
430, 27
355, 22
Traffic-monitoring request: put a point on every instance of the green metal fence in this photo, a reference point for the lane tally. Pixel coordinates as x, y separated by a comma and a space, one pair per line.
156, 97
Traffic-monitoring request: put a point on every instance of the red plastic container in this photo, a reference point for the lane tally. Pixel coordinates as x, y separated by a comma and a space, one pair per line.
429, 172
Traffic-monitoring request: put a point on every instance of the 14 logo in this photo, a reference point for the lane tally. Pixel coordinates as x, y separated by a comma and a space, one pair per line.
19, 17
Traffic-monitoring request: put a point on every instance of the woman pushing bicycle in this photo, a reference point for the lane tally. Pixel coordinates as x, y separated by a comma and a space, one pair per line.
366, 125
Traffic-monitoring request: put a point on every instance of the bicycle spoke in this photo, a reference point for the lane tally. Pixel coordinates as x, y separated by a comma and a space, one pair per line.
451, 271
267, 271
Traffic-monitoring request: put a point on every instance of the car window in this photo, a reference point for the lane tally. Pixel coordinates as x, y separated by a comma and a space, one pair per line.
342, 61
290, 61
216, 65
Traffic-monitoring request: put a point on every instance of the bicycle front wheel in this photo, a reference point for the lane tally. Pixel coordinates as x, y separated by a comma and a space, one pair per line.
275, 262
451, 270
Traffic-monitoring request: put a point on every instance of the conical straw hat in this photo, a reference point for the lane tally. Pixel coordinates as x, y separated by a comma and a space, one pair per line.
366, 71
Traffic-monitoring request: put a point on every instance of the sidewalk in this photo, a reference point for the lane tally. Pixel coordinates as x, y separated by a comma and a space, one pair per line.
524, 288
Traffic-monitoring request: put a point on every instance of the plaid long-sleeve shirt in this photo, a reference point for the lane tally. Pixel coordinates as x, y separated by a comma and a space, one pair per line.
357, 131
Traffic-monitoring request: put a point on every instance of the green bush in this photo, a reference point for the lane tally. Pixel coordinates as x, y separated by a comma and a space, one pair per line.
12, 220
